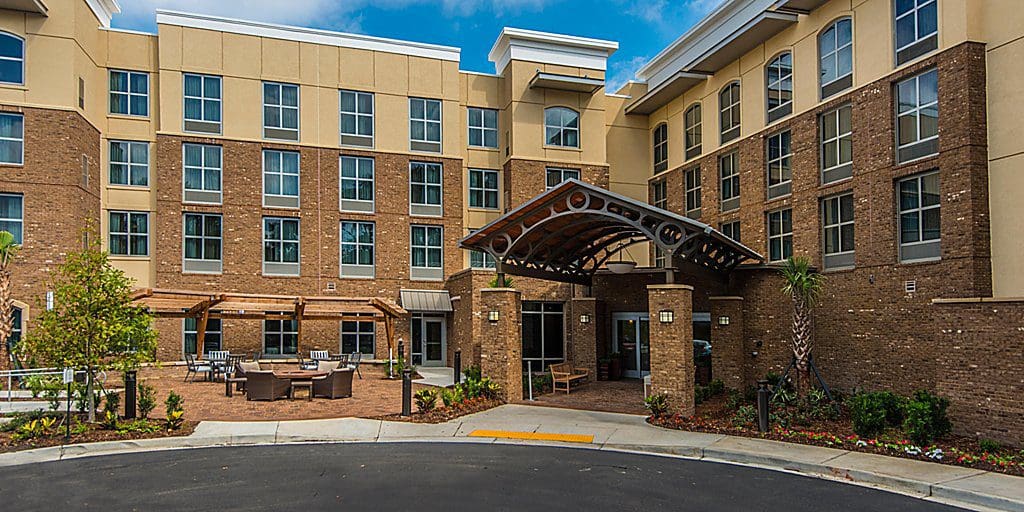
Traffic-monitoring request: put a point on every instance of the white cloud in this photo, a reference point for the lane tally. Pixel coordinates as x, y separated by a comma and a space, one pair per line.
622, 71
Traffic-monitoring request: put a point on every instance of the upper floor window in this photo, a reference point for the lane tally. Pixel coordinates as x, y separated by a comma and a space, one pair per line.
281, 246
12, 215
660, 148
835, 55
203, 243
202, 103
729, 177
779, 75
356, 118
692, 131
561, 127
780, 172
202, 173
425, 125
917, 117
426, 252
483, 189
836, 144
425, 189
837, 222
483, 127
129, 233
920, 219
280, 111
731, 229
729, 111
780, 234
12, 59
917, 28
356, 184
357, 248
280, 179
12, 139
129, 163
129, 93
555, 176
693, 189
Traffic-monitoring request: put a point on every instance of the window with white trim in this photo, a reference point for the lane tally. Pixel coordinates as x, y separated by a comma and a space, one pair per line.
693, 132
917, 28
780, 157
280, 111
483, 189
731, 230
835, 57
555, 176
729, 180
357, 249
561, 127
12, 59
129, 93
202, 96
481, 260
202, 175
356, 118
12, 139
692, 187
729, 112
780, 235
280, 337
779, 77
356, 187
212, 340
837, 144
917, 116
920, 217
280, 178
357, 337
203, 237
425, 189
129, 233
129, 163
837, 222
281, 246
660, 148
483, 127
426, 258
12, 211
425, 125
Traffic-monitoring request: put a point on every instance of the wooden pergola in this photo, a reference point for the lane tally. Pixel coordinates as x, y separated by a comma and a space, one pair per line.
165, 303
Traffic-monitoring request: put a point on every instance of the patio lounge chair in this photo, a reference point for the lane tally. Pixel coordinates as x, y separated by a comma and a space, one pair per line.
239, 379
193, 367
264, 385
337, 384
353, 363
565, 375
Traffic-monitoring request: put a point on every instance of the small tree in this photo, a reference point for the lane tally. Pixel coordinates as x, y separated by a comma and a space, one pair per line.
8, 249
93, 323
803, 285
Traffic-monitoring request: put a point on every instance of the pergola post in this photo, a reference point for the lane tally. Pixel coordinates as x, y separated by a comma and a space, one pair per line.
671, 338
201, 331
300, 310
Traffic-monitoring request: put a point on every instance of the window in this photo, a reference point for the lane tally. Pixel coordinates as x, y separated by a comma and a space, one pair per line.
729, 177
483, 189
837, 221
425, 189
556, 176
659, 199
836, 145
483, 127
920, 222
917, 117
692, 128
280, 179
693, 189
917, 28
12, 139
12, 59
731, 230
660, 148
561, 127
779, 74
203, 239
202, 173
202, 103
280, 111
129, 163
16, 329
129, 93
211, 340
425, 125
356, 118
780, 235
356, 184
481, 260
280, 246
12, 215
729, 112
543, 334
357, 337
129, 233
835, 56
779, 171
427, 259
357, 249
280, 337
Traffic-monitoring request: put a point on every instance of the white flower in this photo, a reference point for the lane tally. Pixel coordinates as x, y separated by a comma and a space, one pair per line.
861, 443
935, 453
912, 450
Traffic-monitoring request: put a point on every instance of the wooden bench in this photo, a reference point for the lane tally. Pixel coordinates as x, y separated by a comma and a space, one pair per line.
565, 375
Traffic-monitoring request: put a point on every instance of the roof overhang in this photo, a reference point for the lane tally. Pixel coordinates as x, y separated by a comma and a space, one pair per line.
669, 90
737, 44
432, 301
558, 82
799, 6
549, 48
104, 10
30, 6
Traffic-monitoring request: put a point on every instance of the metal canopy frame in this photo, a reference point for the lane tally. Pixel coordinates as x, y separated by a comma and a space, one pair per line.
569, 232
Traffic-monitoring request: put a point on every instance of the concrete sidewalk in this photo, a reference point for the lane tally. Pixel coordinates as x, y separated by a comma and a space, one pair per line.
963, 487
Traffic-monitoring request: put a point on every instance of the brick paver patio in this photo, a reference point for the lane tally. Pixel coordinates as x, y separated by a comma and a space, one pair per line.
624, 396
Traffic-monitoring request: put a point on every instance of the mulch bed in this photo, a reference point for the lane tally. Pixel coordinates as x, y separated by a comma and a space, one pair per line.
443, 414
96, 433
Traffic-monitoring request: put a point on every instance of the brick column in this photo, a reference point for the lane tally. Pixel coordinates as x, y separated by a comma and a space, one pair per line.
501, 342
584, 336
672, 345
727, 351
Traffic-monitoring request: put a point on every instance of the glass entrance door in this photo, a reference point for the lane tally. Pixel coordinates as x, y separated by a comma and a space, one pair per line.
633, 342
428, 340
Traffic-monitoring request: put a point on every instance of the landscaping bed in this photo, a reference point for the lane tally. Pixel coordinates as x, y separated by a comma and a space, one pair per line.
82, 432
443, 414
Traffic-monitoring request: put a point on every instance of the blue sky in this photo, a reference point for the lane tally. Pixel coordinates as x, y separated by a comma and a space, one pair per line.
642, 27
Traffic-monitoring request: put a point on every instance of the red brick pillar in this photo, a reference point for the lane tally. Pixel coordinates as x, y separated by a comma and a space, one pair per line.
501, 341
727, 341
584, 335
672, 345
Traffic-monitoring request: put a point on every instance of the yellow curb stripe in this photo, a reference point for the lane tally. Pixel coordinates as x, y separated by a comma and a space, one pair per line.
534, 436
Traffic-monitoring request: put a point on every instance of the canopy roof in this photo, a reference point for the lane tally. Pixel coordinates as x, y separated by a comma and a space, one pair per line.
567, 233
185, 303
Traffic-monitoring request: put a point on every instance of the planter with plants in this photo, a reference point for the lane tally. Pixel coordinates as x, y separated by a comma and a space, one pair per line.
437, 405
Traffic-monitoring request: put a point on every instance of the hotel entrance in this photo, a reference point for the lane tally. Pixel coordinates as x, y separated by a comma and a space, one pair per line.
631, 339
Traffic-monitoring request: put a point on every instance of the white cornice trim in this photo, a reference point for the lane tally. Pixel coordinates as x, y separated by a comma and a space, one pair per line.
550, 48
104, 10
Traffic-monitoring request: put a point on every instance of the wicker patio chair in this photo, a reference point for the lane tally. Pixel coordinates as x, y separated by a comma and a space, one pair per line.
264, 385
337, 384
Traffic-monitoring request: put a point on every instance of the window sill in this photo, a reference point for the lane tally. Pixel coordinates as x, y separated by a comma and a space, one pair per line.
282, 276
922, 261
483, 209
358, 278
128, 117
197, 273
839, 270
778, 198
286, 208
563, 148
10, 164
137, 188
126, 257
915, 160
356, 212
485, 148
13, 86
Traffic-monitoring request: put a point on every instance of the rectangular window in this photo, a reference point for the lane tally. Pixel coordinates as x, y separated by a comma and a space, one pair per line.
780, 235
917, 117
129, 233
280, 111
357, 249
836, 145
837, 222
356, 186
357, 337
129, 93
280, 337
427, 261
556, 176
12, 139
729, 179
129, 163
917, 28
483, 189
356, 118
779, 170
729, 112
659, 199
203, 239
481, 260
12, 218
693, 189
202, 103
202, 173
425, 125
543, 334
280, 246
211, 340
779, 77
483, 127
660, 136
425, 189
920, 221
731, 230
693, 131
280, 179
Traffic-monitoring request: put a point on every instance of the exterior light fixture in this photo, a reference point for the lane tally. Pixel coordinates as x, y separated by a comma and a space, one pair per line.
493, 316
666, 316
723, 320
49, 300
584, 318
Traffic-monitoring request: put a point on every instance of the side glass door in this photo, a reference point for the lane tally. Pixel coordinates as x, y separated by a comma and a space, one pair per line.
433, 342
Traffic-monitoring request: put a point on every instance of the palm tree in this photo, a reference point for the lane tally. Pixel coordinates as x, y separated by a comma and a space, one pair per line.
803, 285
8, 249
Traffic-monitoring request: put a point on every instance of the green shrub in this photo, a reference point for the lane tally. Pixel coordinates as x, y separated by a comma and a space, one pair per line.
473, 373
20, 418
872, 413
175, 411
425, 399
745, 416
452, 396
139, 426
657, 403
702, 393
989, 446
110, 411
735, 399
926, 418
784, 396
34, 428
81, 391
489, 388
147, 400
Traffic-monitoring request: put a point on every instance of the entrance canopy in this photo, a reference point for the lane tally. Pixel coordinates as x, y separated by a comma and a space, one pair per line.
569, 232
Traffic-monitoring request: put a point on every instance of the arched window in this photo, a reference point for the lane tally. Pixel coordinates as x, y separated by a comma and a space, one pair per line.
12, 59
692, 130
729, 111
561, 127
835, 54
660, 148
779, 76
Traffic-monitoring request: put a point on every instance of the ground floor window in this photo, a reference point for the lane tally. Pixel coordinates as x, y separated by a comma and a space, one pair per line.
543, 334
357, 337
280, 337
211, 342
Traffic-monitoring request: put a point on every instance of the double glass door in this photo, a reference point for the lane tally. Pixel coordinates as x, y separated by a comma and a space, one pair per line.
632, 340
428, 340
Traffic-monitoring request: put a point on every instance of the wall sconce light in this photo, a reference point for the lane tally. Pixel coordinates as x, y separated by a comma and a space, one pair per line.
666, 316
493, 316
723, 320
584, 318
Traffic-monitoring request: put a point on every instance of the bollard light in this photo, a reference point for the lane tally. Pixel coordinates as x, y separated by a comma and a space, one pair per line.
666, 316
493, 316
